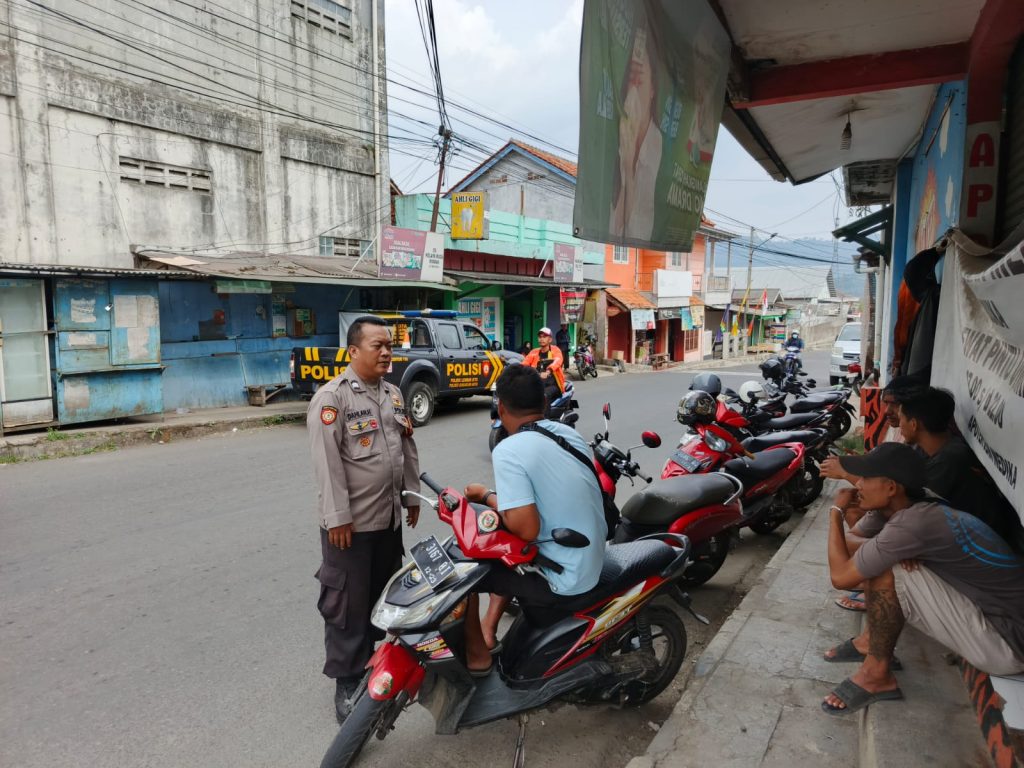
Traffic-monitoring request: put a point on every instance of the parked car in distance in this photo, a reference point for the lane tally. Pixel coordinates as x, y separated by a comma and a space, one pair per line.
845, 351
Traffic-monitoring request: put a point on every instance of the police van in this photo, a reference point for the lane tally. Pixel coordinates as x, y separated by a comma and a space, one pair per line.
438, 357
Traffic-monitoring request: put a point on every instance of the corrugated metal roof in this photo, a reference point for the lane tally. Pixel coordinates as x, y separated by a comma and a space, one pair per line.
64, 269
631, 299
794, 282
278, 267
495, 278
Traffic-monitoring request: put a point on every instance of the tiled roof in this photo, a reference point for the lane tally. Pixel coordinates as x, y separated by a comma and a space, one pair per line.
559, 162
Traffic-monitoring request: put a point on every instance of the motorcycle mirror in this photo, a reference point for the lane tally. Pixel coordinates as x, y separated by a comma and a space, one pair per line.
496, 346
811, 383
567, 537
801, 373
570, 419
606, 410
651, 439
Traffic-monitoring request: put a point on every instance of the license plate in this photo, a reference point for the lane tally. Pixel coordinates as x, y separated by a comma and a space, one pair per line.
686, 461
433, 561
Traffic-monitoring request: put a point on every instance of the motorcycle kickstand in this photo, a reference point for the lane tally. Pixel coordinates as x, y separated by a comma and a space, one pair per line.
519, 760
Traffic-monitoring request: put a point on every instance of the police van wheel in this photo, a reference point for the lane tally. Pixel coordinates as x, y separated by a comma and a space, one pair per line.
420, 402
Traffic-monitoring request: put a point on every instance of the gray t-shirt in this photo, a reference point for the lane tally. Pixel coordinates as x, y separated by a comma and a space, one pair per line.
962, 551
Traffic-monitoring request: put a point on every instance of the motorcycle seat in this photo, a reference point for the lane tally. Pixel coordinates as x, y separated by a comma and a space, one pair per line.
760, 442
791, 421
815, 402
624, 566
750, 472
666, 500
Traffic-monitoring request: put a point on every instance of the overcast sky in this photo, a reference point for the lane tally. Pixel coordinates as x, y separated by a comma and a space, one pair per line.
518, 62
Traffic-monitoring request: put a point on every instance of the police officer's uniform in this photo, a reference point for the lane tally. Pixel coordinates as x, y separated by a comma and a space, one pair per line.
363, 457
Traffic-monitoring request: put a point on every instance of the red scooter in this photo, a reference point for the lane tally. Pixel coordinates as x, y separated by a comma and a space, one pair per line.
704, 508
610, 646
775, 480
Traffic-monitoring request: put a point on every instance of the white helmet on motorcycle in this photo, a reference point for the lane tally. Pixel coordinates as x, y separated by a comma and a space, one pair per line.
696, 407
752, 391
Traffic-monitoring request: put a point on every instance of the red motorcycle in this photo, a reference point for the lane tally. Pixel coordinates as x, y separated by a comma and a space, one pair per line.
704, 508
775, 480
611, 645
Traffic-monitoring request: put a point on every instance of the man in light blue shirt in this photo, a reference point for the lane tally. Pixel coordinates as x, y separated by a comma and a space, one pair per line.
540, 486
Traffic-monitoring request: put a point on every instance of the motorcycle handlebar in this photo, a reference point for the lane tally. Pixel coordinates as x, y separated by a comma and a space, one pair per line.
431, 483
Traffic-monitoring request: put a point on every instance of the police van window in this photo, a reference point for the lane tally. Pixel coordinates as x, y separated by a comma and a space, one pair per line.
474, 338
419, 335
449, 336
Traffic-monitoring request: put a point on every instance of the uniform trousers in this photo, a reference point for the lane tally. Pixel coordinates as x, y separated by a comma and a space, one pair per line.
351, 580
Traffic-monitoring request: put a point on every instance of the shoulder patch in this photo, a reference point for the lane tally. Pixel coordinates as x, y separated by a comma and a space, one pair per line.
328, 414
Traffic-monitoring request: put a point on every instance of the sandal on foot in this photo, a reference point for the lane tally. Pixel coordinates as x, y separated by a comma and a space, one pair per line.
496, 649
856, 698
847, 651
851, 602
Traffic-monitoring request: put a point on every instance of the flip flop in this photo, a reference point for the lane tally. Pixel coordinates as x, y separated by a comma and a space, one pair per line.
857, 602
496, 649
847, 651
480, 673
856, 698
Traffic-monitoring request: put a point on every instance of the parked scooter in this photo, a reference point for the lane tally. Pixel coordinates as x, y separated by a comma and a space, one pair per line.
705, 508
776, 480
610, 645
779, 383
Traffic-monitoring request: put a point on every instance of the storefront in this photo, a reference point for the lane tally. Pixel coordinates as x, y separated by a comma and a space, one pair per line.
632, 327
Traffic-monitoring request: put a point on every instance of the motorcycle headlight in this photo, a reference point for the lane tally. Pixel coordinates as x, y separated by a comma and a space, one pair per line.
715, 443
394, 618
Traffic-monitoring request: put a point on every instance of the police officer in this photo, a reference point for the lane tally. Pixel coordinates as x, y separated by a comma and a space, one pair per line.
363, 457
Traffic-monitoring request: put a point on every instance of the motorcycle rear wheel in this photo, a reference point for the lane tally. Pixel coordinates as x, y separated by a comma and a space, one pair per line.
667, 632
768, 525
706, 560
812, 485
362, 721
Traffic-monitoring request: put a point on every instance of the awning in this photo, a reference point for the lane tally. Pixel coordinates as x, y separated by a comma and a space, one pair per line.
278, 267
629, 299
63, 269
873, 232
494, 278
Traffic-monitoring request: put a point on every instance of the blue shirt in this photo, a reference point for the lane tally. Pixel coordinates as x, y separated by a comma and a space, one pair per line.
530, 468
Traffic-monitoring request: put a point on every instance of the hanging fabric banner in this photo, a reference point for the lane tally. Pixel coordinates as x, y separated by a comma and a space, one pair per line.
652, 86
981, 356
571, 304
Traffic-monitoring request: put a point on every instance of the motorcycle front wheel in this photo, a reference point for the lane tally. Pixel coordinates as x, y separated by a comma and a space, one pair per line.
840, 424
811, 486
768, 525
496, 436
581, 370
593, 370
367, 712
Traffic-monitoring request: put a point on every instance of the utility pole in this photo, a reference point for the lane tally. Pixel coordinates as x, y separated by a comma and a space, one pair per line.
750, 259
446, 135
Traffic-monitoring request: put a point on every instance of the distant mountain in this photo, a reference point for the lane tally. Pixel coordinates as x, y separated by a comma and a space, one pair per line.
808, 252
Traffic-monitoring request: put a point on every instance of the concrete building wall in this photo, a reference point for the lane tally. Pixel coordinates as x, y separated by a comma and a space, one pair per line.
276, 112
521, 185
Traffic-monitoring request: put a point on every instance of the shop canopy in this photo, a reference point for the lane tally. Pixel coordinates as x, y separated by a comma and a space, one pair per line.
277, 267
530, 281
630, 299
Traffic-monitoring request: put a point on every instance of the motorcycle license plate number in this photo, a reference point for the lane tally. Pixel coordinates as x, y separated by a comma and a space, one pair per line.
433, 561
686, 461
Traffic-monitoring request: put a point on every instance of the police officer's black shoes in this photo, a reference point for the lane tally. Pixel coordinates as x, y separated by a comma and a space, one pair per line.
345, 689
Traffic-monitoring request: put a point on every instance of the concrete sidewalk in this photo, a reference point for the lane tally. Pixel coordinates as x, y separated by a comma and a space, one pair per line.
755, 696
155, 428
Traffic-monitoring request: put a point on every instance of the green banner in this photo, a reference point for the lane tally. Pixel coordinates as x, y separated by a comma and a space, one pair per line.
652, 86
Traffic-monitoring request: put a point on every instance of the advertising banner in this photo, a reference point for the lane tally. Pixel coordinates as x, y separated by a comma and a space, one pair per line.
568, 264
642, 319
468, 219
652, 86
411, 254
979, 357
571, 303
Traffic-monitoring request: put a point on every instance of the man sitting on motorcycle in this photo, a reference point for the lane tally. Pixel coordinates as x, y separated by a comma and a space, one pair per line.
541, 485
794, 340
547, 358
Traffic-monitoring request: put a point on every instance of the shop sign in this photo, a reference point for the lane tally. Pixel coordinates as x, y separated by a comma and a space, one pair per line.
469, 217
411, 254
697, 314
668, 314
568, 264
642, 319
571, 302
686, 319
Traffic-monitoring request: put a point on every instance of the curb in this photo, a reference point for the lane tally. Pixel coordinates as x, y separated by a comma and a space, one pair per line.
58, 445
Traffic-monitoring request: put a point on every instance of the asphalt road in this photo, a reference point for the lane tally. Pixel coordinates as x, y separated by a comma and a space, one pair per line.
157, 604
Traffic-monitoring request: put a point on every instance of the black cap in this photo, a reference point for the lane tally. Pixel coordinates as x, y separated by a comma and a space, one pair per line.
896, 461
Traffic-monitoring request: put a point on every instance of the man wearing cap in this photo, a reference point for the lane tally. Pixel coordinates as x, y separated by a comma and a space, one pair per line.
552, 372
940, 570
